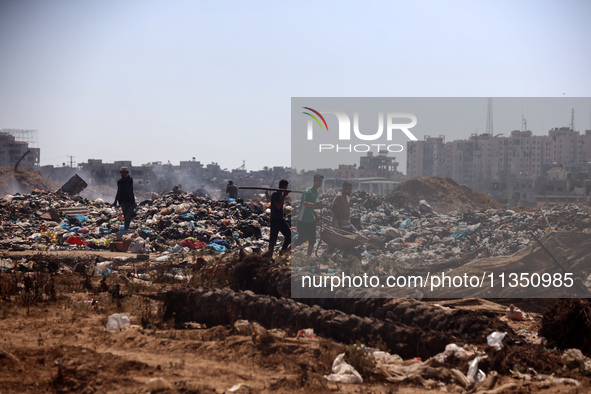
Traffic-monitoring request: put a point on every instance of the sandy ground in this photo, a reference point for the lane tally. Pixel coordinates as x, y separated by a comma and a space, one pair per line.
61, 346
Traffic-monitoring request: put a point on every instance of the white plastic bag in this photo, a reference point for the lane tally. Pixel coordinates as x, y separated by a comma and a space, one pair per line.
496, 339
343, 372
117, 321
474, 374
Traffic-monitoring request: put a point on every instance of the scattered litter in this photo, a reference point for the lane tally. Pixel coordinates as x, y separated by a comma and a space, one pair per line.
306, 333
117, 321
237, 387
452, 350
575, 359
157, 384
474, 374
343, 372
514, 313
496, 340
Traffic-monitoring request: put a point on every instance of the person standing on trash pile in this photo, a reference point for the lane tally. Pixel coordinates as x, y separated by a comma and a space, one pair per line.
125, 196
341, 212
232, 190
278, 223
306, 220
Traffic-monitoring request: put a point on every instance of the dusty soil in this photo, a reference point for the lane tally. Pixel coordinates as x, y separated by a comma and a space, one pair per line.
53, 339
443, 194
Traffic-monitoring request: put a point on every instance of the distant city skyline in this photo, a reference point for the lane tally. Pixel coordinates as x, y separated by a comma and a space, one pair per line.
455, 118
147, 81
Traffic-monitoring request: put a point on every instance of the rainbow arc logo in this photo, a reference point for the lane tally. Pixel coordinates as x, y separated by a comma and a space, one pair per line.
315, 118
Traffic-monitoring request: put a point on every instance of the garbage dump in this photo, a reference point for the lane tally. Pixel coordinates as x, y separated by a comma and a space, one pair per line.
192, 268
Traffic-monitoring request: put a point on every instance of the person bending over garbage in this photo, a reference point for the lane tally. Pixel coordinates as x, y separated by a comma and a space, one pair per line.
125, 196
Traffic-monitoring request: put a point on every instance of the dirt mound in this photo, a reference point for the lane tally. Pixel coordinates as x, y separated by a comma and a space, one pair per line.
443, 194
224, 306
567, 324
23, 181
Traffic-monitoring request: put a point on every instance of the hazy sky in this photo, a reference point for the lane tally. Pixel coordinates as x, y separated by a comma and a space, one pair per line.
171, 80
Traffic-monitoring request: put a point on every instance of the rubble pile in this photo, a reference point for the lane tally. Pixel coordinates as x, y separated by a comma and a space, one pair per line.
45, 220
444, 195
416, 238
23, 181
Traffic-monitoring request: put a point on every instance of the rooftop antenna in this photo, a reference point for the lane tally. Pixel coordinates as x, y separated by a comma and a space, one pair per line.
572, 120
71, 161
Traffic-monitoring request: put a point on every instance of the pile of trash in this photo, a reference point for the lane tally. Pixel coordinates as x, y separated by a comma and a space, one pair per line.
44, 220
421, 235
445, 194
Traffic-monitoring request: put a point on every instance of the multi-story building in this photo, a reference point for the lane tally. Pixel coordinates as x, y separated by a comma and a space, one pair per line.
485, 157
13, 148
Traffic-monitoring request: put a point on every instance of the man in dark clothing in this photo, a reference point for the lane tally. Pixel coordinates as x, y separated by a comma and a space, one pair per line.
278, 223
232, 190
125, 196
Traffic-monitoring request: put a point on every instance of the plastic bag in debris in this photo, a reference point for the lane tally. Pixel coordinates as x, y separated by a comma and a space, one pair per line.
76, 241
103, 268
474, 374
424, 206
117, 321
181, 208
574, 358
459, 233
239, 386
163, 258
81, 218
220, 241
218, 248
137, 245
187, 217
406, 224
343, 372
452, 350
306, 333
496, 339
191, 243
386, 358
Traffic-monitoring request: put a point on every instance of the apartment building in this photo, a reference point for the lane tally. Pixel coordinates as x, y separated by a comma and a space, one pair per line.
13, 148
492, 158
